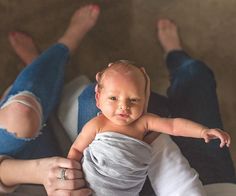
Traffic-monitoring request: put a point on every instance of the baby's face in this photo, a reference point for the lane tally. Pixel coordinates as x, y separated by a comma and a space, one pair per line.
122, 97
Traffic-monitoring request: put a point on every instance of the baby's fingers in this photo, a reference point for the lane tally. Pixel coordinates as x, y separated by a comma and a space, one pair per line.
227, 139
206, 139
222, 143
224, 138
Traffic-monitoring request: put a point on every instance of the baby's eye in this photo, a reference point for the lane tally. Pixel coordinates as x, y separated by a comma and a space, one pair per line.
112, 98
134, 100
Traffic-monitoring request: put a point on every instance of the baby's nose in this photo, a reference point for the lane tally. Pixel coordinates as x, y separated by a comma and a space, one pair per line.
124, 106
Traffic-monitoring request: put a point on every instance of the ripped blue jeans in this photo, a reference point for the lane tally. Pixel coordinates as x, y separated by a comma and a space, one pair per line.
43, 79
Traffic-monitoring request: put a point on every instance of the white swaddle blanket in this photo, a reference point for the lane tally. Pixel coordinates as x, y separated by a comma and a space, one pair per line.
116, 165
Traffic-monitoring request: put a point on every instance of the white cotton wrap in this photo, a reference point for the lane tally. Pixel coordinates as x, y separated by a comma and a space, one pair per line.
169, 171
116, 164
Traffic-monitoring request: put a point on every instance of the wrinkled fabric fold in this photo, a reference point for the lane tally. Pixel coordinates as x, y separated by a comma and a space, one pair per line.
116, 164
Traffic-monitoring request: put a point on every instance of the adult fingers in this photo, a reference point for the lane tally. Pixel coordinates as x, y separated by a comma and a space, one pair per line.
67, 163
69, 174
81, 192
54, 170
69, 184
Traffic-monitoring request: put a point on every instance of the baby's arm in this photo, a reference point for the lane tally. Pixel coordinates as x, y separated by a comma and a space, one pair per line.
85, 137
185, 128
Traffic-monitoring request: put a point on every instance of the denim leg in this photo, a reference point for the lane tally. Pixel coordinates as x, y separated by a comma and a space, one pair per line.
87, 106
45, 145
44, 79
192, 95
158, 104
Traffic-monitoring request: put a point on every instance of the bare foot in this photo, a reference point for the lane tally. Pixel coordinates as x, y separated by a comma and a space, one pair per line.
24, 46
168, 35
81, 22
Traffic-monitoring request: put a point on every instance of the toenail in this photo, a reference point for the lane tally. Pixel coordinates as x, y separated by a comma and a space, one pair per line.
13, 33
95, 7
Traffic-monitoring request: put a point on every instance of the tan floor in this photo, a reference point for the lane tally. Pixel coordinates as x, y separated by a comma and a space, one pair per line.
126, 30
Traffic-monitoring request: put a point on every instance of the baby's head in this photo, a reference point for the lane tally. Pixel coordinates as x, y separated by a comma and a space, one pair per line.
125, 68
121, 91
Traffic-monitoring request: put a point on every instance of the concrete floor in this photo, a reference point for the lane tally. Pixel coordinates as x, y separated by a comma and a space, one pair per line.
126, 30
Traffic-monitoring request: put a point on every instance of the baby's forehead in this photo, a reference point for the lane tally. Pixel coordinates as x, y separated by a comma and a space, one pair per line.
123, 70
132, 77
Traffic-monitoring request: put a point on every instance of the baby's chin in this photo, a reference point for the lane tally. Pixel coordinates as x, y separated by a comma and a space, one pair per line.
123, 122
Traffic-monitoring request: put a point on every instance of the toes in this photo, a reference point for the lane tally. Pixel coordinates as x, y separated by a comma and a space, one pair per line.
16, 36
92, 10
164, 24
23, 45
95, 10
168, 35
11, 36
87, 13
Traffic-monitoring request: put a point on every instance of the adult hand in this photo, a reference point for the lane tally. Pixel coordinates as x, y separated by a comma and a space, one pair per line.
61, 176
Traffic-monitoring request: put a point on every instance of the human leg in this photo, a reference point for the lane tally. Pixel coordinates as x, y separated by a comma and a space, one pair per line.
192, 95
87, 108
39, 84
23, 46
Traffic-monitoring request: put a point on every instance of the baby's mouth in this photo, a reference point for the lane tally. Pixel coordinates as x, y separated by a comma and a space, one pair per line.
124, 115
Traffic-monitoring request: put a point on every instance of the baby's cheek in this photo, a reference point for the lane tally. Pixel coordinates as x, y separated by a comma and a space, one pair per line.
138, 112
109, 110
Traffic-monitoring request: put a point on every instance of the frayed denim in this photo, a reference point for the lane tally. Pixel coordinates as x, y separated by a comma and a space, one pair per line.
44, 80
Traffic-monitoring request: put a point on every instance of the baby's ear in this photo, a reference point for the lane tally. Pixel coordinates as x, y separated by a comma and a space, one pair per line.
147, 93
98, 75
97, 96
110, 64
143, 70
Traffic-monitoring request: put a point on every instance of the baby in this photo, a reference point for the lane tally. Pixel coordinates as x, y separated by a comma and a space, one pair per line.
116, 157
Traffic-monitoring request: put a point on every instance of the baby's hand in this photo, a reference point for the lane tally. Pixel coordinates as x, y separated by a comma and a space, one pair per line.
209, 134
